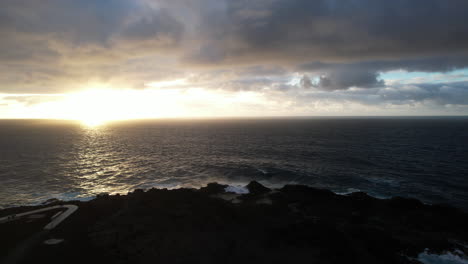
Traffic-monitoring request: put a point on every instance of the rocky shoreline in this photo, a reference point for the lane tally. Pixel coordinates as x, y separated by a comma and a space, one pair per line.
293, 224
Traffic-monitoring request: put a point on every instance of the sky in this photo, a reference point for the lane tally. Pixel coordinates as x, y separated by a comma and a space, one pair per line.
124, 59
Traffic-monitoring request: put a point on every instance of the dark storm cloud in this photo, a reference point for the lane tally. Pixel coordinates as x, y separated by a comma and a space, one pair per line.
423, 64
306, 82
244, 31
58, 45
437, 96
349, 42
80, 23
343, 78
156, 25
76, 21
455, 93
339, 30
366, 74
261, 70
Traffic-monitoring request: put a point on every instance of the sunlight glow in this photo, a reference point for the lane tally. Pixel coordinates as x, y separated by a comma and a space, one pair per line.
92, 122
166, 84
97, 106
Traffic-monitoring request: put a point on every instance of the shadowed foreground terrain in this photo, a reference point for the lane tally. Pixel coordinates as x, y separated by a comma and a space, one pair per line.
294, 224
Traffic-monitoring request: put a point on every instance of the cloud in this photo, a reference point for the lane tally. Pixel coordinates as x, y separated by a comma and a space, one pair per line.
306, 82
157, 25
68, 42
30, 100
365, 74
455, 93
348, 77
298, 30
432, 64
247, 31
299, 49
76, 22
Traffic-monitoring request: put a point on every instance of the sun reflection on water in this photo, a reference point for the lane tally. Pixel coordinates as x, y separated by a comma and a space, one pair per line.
92, 122
99, 163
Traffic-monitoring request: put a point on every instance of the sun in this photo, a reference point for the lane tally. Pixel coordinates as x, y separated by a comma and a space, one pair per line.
96, 107
100, 105
92, 122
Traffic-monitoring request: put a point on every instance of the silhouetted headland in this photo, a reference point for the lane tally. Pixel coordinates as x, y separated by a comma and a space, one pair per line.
294, 224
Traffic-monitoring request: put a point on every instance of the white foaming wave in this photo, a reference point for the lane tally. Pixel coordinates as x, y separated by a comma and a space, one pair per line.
348, 191
236, 189
456, 257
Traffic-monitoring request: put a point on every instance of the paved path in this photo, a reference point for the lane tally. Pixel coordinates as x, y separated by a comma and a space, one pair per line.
22, 250
56, 220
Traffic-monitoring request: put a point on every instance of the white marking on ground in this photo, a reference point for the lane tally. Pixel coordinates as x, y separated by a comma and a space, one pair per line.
55, 215
53, 241
56, 221
36, 216
264, 200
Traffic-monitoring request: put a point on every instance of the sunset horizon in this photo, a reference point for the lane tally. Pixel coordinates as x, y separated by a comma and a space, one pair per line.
118, 59
234, 131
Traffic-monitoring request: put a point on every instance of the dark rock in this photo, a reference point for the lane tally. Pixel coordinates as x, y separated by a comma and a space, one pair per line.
51, 201
361, 196
102, 195
256, 188
213, 188
302, 189
138, 191
405, 203
302, 224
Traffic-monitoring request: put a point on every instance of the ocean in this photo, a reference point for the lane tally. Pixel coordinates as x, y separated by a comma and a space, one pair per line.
419, 157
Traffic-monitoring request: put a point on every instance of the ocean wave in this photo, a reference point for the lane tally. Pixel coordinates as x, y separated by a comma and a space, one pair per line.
455, 257
70, 161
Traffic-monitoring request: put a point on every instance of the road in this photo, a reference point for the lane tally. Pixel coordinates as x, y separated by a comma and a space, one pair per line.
25, 247
57, 219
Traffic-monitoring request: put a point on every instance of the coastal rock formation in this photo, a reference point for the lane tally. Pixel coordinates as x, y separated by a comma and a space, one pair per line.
299, 224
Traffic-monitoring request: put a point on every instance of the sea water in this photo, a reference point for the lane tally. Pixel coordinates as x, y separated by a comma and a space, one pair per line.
420, 157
